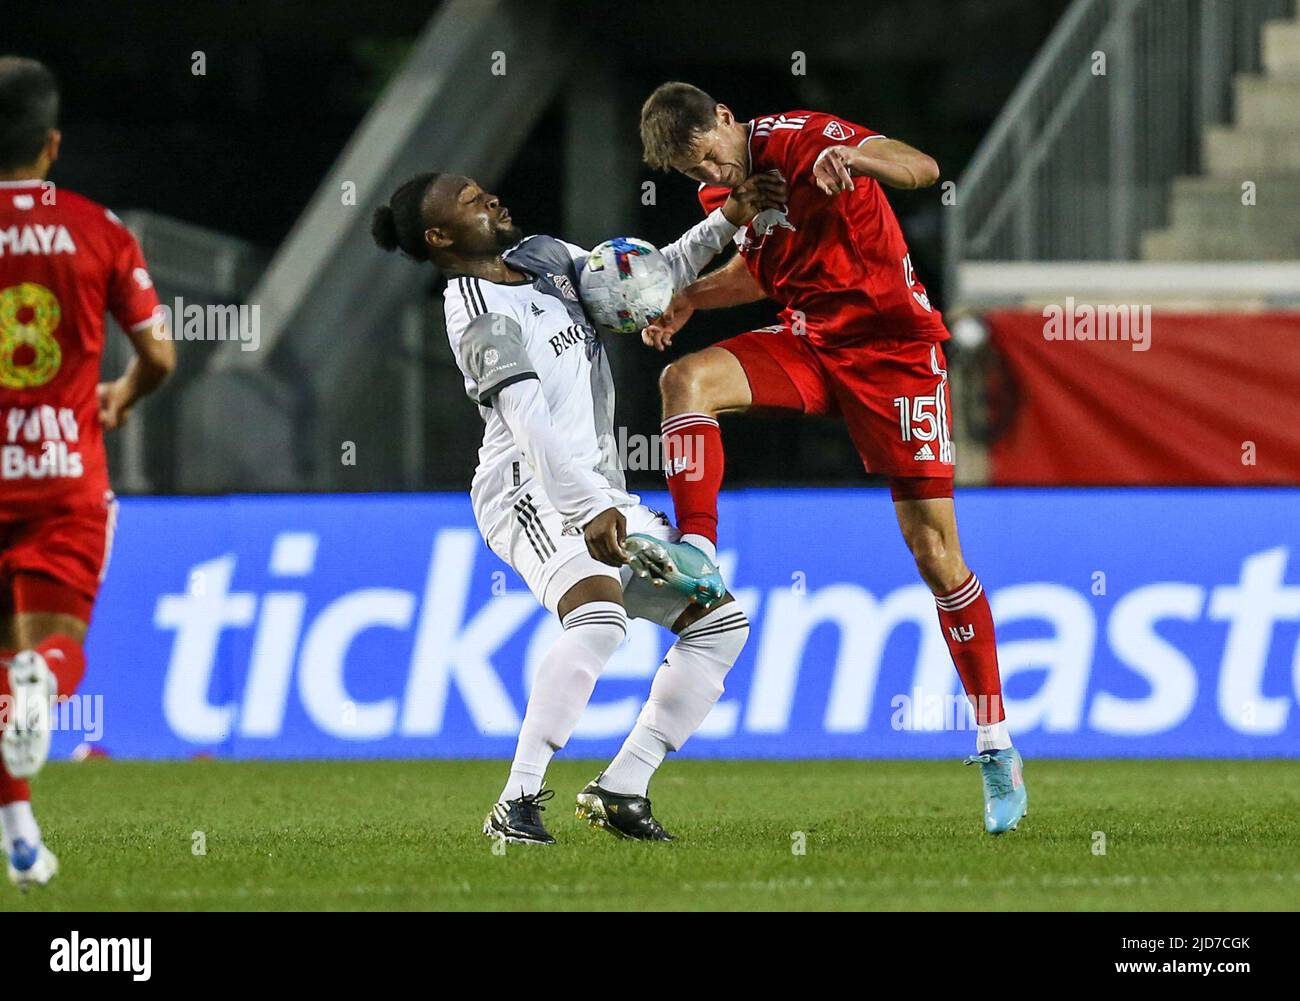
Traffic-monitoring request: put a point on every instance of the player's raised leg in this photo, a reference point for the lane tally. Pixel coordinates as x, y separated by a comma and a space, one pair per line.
685, 688
695, 390
682, 567
595, 623
772, 369
929, 526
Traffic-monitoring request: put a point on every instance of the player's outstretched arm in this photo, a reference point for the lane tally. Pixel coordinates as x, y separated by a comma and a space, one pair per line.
730, 285
687, 256
155, 359
889, 161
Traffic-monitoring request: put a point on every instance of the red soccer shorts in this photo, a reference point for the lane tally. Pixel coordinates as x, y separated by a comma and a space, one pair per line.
55, 562
892, 395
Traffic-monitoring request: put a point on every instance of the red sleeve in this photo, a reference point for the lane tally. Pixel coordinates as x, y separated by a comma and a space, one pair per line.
820, 132
712, 196
132, 298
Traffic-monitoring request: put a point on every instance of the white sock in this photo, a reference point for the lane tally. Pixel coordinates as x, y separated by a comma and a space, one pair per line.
636, 762
703, 543
19, 822
686, 686
592, 632
993, 737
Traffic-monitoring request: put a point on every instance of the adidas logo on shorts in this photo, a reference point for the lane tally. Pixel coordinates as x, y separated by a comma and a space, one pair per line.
924, 454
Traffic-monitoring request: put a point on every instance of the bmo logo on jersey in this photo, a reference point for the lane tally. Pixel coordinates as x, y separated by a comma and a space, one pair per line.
50, 429
569, 336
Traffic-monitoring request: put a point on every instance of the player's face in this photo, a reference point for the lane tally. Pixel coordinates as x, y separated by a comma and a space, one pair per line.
719, 155
468, 219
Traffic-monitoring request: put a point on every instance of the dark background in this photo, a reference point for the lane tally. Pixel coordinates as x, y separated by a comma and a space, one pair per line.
242, 148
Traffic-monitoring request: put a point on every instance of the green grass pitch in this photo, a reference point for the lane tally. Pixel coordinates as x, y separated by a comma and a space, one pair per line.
877, 835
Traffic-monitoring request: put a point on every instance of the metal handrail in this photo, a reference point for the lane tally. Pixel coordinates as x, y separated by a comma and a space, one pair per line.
1079, 162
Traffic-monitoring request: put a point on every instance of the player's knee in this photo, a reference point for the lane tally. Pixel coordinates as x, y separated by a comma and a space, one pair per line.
721, 631
684, 384
936, 559
597, 626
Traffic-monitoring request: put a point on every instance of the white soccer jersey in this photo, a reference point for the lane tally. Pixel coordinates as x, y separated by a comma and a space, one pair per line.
502, 334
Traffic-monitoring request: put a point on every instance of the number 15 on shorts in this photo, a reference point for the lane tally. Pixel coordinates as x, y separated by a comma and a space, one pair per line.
918, 417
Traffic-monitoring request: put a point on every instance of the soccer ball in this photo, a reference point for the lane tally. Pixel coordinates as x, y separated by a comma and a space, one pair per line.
626, 284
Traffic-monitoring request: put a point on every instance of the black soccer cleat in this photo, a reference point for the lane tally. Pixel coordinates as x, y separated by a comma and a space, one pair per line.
520, 820
623, 816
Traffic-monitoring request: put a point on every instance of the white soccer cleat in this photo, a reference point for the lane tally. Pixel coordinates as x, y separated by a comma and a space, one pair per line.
25, 743
30, 866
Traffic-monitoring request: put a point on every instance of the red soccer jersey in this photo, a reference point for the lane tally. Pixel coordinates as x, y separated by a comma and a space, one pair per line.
841, 261
64, 262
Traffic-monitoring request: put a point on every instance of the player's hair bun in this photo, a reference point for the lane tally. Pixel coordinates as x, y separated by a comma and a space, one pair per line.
400, 224
383, 227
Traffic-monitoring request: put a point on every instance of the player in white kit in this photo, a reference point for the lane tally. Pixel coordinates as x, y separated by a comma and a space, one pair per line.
549, 494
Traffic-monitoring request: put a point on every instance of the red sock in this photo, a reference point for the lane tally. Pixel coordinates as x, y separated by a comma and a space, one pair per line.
693, 464
11, 789
967, 624
66, 661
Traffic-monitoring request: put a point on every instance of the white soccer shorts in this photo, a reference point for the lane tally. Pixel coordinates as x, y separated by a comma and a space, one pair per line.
550, 562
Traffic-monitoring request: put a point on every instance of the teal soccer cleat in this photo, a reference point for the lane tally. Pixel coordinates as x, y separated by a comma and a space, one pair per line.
677, 565
1005, 799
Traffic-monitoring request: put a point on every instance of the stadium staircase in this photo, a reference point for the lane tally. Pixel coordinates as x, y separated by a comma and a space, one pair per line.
1261, 148
1102, 142
1115, 173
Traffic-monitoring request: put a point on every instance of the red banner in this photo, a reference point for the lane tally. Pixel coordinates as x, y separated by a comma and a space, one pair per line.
1103, 396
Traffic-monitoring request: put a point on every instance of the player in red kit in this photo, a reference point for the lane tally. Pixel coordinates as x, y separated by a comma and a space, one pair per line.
858, 339
64, 262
